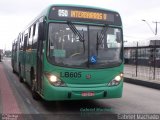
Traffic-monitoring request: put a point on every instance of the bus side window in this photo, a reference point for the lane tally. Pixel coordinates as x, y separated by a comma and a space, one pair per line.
29, 32
35, 35
34, 27
13, 46
16, 44
30, 38
22, 42
25, 41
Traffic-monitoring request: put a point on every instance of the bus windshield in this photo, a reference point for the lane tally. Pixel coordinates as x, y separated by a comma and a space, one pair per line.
100, 47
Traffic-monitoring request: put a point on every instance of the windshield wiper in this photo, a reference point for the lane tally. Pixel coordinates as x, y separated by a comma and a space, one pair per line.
100, 37
76, 32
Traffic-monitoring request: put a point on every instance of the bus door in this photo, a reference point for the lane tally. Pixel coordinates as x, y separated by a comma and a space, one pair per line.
24, 56
39, 65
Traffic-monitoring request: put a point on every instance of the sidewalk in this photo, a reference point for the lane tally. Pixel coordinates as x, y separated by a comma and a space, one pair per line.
144, 76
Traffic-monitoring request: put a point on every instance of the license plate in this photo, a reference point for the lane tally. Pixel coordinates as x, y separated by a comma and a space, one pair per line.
85, 94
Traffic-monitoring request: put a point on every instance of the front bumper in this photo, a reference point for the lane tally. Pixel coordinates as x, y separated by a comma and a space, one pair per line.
52, 93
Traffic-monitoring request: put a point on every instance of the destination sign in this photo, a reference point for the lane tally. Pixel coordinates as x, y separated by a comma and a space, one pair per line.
83, 15
88, 15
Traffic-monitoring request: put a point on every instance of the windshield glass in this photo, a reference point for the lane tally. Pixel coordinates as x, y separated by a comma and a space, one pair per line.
100, 47
65, 47
105, 47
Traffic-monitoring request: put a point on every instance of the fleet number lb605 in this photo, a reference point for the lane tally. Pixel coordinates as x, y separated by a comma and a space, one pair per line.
71, 74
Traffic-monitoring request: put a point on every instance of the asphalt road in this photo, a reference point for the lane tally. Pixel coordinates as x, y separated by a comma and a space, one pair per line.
136, 100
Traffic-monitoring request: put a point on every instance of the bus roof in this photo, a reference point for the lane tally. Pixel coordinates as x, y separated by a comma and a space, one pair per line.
81, 6
45, 12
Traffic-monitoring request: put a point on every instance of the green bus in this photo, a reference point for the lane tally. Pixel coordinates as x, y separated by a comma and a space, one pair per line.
72, 52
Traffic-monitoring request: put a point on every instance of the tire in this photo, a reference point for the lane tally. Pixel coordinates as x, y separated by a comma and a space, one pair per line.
20, 78
13, 71
35, 95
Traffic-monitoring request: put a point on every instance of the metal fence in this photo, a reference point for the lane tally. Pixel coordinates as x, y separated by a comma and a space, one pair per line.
143, 61
142, 72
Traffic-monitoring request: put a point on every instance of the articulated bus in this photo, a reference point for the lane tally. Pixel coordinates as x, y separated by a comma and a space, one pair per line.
71, 52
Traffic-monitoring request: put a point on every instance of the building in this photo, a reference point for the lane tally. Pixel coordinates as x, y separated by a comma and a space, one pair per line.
146, 53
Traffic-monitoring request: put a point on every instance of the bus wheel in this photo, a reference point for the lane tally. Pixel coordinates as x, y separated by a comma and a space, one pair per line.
20, 78
13, 70
35, 95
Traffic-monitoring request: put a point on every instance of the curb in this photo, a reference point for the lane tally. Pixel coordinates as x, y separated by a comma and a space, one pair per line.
142, 83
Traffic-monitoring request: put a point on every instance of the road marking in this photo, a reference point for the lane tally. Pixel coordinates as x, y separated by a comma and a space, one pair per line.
28, 101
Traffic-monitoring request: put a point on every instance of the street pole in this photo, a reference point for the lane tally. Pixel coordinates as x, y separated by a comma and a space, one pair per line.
137, 59
149, 26
156, 27
154, 61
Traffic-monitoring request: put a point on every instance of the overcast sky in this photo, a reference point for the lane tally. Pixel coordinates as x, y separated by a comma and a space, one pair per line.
16, 14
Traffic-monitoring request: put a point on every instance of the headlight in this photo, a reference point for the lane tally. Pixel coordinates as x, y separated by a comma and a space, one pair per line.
54, 80
116, 80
